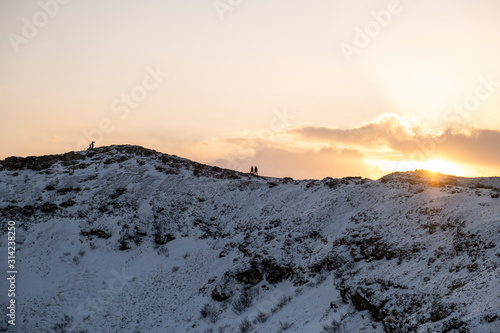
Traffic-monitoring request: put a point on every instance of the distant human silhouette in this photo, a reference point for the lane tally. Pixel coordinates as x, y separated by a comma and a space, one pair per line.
91, 145
251, 169
256, 170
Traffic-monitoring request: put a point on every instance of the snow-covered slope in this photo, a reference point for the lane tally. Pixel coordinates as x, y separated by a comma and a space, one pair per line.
126, 239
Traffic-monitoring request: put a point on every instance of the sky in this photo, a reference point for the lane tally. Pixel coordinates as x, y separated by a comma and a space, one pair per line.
301, 89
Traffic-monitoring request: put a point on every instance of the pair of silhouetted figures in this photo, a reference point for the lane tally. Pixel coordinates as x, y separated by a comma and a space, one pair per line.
254, 170
91, 145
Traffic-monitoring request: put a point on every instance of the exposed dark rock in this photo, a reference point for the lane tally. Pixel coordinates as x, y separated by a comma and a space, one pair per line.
68, 203
274, 273
163, 239
361, 301
96, 232
116, 159
490, 318
124, 245
135, 237
28, 210
272, 184
202, 170
251, 276
11, 210
439, 311
455, 325
220, 294
330, 263
117, 193
65, 190
48, 208
38, 163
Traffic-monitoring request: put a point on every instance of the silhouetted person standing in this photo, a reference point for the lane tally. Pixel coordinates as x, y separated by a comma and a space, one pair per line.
251, 169
92, 144
256, 170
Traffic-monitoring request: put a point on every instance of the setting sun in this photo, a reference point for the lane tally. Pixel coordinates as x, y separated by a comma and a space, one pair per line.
381, 167
444, 167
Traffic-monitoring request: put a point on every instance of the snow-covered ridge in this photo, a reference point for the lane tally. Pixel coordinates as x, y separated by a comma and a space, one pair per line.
126, 239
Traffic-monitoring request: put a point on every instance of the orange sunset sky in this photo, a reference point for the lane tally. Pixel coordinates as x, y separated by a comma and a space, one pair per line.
306, 89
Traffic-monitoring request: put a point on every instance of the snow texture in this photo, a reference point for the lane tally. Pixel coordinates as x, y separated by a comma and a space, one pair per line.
126, 239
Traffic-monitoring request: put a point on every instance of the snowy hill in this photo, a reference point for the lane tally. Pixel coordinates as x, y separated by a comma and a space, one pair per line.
126, 239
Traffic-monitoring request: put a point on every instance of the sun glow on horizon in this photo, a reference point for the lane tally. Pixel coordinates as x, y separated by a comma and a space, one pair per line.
444, 167
435, 165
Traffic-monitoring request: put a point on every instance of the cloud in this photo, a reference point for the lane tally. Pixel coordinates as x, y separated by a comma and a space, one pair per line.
388, 142
382, 131
275, 155
411, 141
277, 161
479, 146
